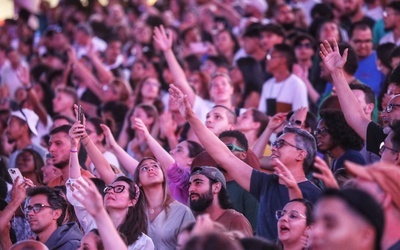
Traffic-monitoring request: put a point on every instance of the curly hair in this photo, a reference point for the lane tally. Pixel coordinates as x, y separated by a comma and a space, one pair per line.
341, 133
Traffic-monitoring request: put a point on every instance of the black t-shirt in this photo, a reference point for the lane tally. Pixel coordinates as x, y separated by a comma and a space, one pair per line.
375, 137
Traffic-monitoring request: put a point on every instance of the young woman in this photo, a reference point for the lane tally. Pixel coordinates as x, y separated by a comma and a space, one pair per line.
177, 163
122, 200
29, 162
294, 224
166, 216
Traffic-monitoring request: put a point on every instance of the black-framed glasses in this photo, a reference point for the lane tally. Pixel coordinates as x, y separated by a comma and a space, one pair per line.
280, 142
36, 208
292, 215
321, 132
382, 148
233, 147
389, 107
116, 189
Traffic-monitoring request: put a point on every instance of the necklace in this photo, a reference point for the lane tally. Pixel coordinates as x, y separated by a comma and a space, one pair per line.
152, 210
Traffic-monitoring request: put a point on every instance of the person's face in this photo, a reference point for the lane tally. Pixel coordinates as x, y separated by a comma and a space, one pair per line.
387, 152
14, 58
336, 226
269, 39
362, 42
91, 131
150, 173
287, 154
200, 193
59, 146
250, 44
246, 123
62, 102
25, 163
389, 117
181, 154
113, 51
217, 120
389, 18
208, 67
80, 37
220, 89
150, 88
360, 95
239, 151
304, 50
45, 219
329, 31
89, 241
285, 15
324, 142
236, 76
141, 114
224, 42
138, 71
275, 61
15, 128
49, 171
114, 200
292, 225
195, 81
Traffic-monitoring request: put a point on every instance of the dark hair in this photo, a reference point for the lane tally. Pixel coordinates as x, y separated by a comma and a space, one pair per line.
384, 53
232, 118
273, 28
223, 197
212, 241
37, 161
310, 122
54, 198
309, 209
135, 222
395, 126
219, 61
251, 72
287, 52
61, 129
64, 117
139, 97
236, 46
360, 25
301, 37
305, 141
96, 121
239, 136
368, 92
351, 64
341, 133
394, 77
194, 148
99, 242
257, 243
193, 63
260, 117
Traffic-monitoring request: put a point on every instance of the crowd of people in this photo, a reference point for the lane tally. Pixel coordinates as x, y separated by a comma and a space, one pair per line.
206, 124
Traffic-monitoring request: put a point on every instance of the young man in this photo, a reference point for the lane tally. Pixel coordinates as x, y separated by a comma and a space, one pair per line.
207, 194
45, 211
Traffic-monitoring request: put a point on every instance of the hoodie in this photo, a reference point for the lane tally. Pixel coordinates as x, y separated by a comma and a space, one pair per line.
66, 237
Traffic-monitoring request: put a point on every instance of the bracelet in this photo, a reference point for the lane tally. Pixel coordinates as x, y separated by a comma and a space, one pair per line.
73, 151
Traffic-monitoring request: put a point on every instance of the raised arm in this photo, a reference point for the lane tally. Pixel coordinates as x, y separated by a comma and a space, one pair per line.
124, 158
164, 41
86, 193
240, 171
159, 152
351, 108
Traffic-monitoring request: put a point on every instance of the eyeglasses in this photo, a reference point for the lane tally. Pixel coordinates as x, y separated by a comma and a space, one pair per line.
292, 215
117, 189
279, 143
234, 148
36, 208
382, 148
322, 132
303, 45
389, 107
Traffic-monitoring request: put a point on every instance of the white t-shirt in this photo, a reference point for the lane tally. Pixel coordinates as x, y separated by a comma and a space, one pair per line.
292, 91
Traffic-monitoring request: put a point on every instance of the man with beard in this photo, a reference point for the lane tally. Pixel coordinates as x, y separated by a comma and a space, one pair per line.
59, 147
21, 127
352, 13
207, 194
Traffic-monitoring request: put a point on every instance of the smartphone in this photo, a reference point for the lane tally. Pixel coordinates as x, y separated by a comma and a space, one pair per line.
80, 114
198, 47
14, 173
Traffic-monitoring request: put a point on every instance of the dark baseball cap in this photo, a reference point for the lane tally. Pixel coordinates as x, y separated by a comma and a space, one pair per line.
211, 172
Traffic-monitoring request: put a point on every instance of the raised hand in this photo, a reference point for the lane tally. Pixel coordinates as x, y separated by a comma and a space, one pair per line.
277, 121
141, 128
110, 140
23, 75
181, 101
85, 192
331, 57
325, 173
300, 115
163, 40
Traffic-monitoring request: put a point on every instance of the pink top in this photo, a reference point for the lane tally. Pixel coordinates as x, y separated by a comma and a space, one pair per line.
178, 182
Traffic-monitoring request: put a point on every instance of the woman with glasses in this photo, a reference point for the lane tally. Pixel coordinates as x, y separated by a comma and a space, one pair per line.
166, 216
122, 199
176, 163
294, 224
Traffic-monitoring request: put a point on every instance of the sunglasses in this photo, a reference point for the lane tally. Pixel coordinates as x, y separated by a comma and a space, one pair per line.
233, 147
117, 189
36, 208
279, 143
321, 132
292, 215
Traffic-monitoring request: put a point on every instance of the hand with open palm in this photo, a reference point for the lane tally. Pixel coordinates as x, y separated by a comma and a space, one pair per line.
331, 57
